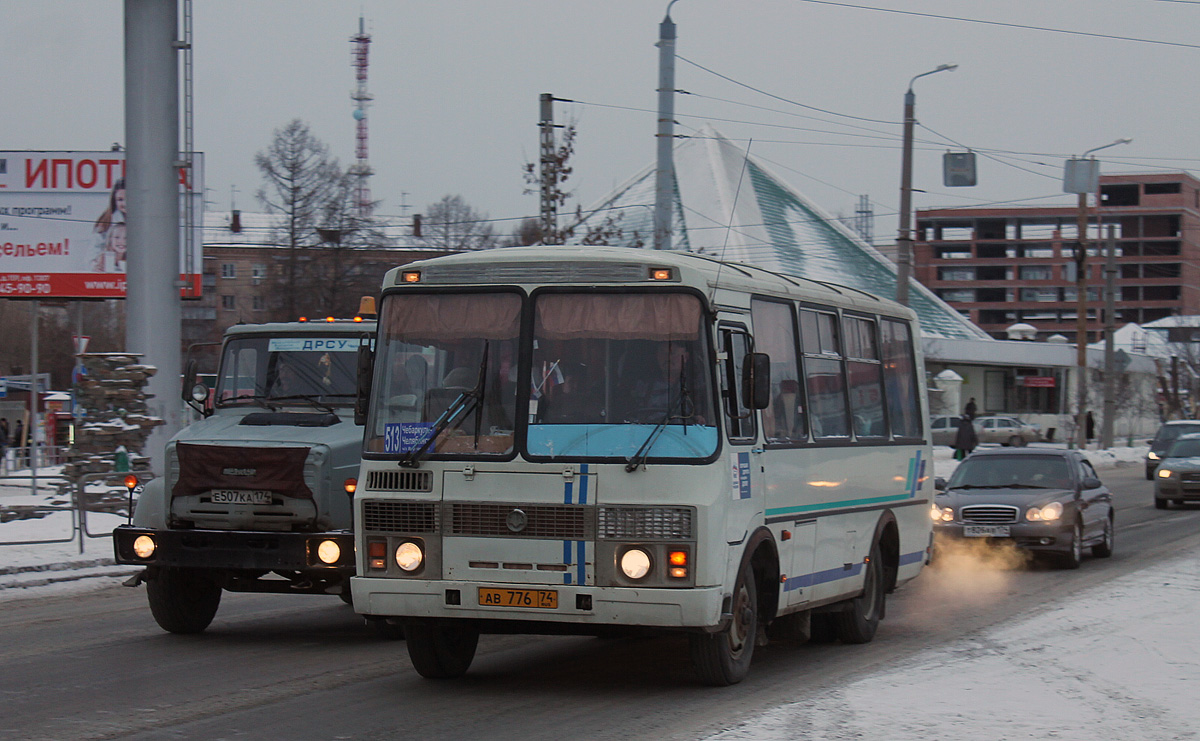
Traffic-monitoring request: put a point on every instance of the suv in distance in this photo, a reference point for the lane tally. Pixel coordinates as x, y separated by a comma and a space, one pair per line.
1167, 434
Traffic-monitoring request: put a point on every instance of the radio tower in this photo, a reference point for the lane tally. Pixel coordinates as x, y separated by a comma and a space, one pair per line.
361, 169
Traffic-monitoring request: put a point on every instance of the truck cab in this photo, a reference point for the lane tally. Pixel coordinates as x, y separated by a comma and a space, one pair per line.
256, 494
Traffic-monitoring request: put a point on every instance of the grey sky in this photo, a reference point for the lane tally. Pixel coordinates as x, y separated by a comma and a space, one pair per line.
456, 88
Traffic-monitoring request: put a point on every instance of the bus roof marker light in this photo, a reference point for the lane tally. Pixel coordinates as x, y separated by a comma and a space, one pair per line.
660, 274
410, 276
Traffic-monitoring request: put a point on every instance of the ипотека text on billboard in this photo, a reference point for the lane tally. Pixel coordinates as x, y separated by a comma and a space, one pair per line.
62, 225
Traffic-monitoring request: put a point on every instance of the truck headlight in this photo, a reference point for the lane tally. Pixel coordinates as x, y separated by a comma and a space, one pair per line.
143, 546
329, 552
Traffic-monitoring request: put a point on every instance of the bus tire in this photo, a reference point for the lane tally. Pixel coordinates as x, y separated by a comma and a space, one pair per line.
859, 623
440, 648
182, 601
723, 658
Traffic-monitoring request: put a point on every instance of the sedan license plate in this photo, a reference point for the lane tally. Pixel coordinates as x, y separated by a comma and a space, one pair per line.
239, 496
986, 531
542, 599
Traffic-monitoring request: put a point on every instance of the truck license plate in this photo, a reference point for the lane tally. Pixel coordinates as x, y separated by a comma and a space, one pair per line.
542, 599
986, 531
239, 496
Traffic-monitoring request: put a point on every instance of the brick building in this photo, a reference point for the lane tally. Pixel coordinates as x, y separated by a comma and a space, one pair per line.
1003, 266
243, 275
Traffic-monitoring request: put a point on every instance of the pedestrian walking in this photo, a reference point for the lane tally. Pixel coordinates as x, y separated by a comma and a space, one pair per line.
1090, 427
970, 410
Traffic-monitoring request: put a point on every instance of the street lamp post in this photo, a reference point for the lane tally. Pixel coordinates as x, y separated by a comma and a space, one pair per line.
1082, 179
904, 240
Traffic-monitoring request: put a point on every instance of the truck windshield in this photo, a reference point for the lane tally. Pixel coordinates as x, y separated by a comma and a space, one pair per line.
445, 361
279, 371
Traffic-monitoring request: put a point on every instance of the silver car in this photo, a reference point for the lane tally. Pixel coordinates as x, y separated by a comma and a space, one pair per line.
1006, 430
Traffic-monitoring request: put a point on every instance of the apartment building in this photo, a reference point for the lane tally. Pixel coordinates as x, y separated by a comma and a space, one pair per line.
1004, 266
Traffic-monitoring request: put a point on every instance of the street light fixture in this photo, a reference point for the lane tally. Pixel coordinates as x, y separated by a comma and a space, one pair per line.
904, 240
1082, 176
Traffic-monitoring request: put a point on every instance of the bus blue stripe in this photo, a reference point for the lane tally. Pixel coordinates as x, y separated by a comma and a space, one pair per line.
835, 505
580, 568
583, 483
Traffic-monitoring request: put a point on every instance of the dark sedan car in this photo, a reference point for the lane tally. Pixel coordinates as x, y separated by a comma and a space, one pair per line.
1178, 475
1166, 435
1042, 500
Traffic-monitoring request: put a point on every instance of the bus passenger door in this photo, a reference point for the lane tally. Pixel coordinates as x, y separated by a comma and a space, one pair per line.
745, 452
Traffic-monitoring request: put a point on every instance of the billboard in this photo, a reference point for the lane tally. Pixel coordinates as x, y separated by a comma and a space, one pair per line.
62, 225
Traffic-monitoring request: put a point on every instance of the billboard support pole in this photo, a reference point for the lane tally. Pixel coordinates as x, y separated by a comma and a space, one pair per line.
32, 430
153, 309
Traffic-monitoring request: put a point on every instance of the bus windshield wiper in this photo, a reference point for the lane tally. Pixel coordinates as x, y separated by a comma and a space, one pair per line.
463, 403
638, 458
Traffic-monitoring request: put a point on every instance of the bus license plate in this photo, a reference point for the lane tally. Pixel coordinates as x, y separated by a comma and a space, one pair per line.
986, 531
541, 599
238, 496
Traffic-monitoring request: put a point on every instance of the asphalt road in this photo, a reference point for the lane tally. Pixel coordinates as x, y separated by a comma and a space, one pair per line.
97, 666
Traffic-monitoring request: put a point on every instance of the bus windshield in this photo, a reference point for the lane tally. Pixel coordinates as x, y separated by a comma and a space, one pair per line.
620, 375
612, 376
446, 362
271, 371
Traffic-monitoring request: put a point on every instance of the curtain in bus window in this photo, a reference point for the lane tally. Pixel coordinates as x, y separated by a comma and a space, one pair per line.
775, 335
618, 316
900, 379
421, 318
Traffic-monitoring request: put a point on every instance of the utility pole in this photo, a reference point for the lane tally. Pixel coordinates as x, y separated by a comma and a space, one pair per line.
904, 239
548, 174
1110, 326
1081, 384
664, 175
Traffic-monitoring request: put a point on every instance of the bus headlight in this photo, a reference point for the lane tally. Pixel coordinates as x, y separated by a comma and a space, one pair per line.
143, 546
635, 563
409, 556
329, 552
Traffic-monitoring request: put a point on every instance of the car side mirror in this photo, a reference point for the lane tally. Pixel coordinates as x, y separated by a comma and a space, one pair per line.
939, 484
365, 377
1091, 482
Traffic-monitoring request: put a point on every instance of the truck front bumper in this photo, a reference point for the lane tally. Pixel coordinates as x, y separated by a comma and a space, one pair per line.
235, 549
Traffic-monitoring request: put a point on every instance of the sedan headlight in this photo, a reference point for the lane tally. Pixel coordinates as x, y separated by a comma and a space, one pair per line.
1165, 473
1049, 513
1153, 456
941, 514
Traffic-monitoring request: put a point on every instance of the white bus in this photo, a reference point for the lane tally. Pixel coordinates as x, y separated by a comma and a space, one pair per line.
565, 439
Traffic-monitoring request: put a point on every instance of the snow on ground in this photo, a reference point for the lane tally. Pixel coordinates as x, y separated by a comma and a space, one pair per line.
1120, 660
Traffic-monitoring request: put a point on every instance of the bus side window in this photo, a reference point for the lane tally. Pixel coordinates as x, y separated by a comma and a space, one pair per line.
739, 421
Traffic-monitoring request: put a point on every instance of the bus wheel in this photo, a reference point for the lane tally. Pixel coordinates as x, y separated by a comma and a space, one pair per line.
858, 624
182, 600
440, 649
723, 658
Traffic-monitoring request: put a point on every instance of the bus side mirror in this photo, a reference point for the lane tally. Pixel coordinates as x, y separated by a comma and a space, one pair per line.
364, 378
756, 381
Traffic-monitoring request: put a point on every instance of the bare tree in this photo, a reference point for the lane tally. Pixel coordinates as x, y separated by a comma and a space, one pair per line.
300, 179
451, 224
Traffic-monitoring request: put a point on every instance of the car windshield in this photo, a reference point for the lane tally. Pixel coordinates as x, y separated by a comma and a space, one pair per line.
1011, 472
1168, 433
1185, 449
271, 371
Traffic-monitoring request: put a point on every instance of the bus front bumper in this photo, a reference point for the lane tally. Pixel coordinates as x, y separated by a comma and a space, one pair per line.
694, 607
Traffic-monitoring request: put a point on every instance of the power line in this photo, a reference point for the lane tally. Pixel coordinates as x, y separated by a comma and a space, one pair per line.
1026, 27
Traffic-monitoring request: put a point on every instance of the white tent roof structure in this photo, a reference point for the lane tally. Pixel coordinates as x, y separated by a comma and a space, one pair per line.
729, 205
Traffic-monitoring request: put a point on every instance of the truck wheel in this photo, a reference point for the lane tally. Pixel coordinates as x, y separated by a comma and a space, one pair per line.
440, 649
722, 659
182, 600
858, 624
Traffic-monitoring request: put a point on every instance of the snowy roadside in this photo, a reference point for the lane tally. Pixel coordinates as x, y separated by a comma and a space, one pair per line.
1119, 660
